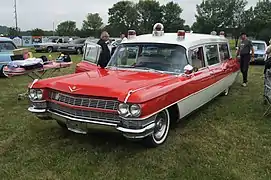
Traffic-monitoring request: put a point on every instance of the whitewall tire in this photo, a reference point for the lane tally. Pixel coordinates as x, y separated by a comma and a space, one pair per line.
161, 130
2, 73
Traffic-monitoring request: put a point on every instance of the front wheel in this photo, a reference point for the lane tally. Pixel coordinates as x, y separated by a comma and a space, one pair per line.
161, 129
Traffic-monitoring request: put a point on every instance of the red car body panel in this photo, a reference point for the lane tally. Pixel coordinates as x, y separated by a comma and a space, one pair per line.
153, 91
85, 66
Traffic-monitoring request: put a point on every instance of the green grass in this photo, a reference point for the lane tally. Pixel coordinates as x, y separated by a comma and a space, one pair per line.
226, 139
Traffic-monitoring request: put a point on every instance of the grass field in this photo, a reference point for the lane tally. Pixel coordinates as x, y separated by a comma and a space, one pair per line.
226, 139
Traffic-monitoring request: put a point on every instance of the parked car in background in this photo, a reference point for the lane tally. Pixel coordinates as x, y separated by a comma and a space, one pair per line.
50, 46
74, 46
6, 52
141, 96
259, 50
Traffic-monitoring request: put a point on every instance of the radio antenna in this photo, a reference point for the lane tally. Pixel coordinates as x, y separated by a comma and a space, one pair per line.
15, 14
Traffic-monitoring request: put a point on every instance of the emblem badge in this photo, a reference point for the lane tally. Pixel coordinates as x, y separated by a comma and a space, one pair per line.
73, 88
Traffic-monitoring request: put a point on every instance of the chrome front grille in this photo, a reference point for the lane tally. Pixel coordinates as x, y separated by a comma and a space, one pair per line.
85, 114
84, 101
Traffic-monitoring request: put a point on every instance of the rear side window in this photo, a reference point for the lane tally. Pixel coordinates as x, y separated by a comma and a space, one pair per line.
197, 57
212, 56
224, 52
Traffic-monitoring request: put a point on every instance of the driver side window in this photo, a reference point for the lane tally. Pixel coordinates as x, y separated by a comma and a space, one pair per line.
197, 57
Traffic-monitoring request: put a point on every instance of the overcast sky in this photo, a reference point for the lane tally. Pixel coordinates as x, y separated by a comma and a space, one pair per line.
42, 13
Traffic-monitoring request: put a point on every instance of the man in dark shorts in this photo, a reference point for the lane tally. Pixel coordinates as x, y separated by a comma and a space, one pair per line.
244, 49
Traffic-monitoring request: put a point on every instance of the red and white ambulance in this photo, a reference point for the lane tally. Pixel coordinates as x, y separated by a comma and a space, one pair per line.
150, 83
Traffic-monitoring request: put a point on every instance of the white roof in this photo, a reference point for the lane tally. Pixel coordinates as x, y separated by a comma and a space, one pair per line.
190, 40
258, 41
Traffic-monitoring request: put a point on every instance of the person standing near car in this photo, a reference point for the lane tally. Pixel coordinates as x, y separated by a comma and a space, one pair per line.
243, 51
123, 37
105, 54
267, 57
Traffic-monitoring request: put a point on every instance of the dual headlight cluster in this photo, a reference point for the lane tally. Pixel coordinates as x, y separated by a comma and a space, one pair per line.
129, 110
35, 94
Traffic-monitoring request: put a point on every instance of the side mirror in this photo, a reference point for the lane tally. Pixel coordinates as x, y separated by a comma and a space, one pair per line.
188, 69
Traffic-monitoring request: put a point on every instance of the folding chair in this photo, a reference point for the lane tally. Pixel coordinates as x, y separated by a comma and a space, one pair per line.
267, 91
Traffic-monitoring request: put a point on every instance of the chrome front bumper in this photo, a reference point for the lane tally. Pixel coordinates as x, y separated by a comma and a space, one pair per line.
138, 131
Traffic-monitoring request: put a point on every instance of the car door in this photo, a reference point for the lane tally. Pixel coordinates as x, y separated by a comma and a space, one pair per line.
216, 67
225, 58
229, 65
90, 58
200, 82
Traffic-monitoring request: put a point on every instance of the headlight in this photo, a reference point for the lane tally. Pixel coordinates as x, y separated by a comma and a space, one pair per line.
135, 110
123, 109
35, 94
129, 110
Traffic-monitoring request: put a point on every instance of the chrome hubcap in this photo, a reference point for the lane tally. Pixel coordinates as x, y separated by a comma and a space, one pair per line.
160, 126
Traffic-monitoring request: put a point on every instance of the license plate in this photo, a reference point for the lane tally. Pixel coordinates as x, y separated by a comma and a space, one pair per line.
77, 127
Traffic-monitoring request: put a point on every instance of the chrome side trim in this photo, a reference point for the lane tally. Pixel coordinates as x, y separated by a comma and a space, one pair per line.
36, 80
4, 62
128, 95
82, 120
37, 101
146, 117
136, 131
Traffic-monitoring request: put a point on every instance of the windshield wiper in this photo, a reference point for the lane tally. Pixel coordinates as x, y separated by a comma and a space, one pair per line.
137, 67
149, 69
125, 66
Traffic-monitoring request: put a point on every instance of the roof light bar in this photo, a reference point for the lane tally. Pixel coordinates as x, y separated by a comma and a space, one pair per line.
222, 34
158, 29
131, 34
214, 33
180, 34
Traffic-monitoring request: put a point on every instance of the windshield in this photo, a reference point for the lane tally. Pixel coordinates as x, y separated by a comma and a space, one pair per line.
258, 46
161, 57
6, 46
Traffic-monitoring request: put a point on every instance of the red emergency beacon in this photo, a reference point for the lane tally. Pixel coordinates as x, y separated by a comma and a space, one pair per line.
131, 34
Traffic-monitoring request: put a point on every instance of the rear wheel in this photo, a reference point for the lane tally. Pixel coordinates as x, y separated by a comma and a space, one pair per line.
49, 49
226, 91
79, 51
161, 129
2, 73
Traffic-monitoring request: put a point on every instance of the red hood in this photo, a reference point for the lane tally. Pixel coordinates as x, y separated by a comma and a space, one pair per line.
106, 83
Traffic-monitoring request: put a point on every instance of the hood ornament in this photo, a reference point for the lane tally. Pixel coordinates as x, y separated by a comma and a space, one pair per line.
73, 88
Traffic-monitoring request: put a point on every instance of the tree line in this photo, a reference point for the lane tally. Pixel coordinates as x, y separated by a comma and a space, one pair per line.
230, 16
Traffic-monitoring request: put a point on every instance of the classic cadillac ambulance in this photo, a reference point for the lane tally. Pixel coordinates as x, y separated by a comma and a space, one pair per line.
150, 83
